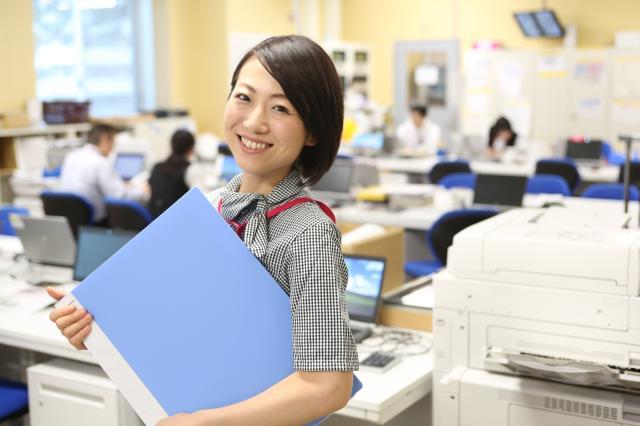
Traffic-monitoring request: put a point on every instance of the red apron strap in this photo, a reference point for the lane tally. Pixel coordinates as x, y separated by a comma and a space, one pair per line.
282, 207
239, 227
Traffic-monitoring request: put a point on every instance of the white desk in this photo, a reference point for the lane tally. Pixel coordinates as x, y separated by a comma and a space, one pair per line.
421, 218
602, 173
383, 396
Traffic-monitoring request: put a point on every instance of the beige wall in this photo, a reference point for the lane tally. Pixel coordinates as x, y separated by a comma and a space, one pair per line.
260, 16
381, 22
17, 75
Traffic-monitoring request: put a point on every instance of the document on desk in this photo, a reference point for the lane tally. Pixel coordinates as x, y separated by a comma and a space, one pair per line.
185, 317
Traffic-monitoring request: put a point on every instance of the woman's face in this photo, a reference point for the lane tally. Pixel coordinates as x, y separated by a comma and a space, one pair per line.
264, 131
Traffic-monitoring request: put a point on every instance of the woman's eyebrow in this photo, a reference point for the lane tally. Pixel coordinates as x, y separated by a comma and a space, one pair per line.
253, 90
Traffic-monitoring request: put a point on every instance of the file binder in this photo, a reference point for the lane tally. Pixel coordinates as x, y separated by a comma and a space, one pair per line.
185, 317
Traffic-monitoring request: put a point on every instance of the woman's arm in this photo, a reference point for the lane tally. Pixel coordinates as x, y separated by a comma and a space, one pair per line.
296, 400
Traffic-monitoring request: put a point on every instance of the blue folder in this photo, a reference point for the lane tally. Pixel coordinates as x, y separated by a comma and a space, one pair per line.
193, 313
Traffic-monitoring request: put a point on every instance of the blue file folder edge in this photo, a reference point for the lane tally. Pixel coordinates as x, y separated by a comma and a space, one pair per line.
185, 317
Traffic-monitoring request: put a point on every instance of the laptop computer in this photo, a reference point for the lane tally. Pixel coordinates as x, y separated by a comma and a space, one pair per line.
499, 191
371, 143
128, 165
364, 293
95, 246
335, 186
49, 246
588, 151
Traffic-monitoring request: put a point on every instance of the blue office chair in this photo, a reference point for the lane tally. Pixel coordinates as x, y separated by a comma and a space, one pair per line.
563, 167
610, 155
5, 223
458, 180
14, 400
548, 184
74, 207
440, 237
127, 215
444, 168
610, 191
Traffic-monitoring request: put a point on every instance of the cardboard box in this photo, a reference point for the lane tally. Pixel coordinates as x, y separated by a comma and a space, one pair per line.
390, 246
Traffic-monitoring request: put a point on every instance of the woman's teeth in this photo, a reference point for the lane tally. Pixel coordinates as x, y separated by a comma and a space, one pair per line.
253, 145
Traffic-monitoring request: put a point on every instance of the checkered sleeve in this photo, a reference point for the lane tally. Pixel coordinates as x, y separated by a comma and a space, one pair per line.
317, 273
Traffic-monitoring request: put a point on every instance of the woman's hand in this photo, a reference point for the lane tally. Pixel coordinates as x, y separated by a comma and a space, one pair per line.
183, 419
73, 323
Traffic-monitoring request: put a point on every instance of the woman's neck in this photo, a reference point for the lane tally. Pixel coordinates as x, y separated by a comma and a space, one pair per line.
259, 184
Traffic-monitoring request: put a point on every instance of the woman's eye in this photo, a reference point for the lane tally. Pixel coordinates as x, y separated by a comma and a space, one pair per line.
242, 97
280, 108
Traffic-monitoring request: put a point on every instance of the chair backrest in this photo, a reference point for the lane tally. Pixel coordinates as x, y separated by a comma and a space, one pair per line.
127, 215
458, 180
444, 168
441, 234
610, 191
634, 173
548, 184
561, 167
5, 223
74, 207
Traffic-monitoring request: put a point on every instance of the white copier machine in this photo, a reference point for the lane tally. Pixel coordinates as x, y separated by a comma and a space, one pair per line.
537, 323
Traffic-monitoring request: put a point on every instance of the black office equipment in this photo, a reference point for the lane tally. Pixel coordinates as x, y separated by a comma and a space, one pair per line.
581, 151
539, 23
499, 190
379, 360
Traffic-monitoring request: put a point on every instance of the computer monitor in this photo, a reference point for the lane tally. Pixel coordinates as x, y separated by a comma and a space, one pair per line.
364, 288
338, 179
229, 168
95, 246
371, 143
548, 23
46, 240
528, 24
588, 150
127, 165
499, 190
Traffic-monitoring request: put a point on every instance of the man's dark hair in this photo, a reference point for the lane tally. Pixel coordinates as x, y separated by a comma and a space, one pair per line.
421, 109
98, 130
310, 81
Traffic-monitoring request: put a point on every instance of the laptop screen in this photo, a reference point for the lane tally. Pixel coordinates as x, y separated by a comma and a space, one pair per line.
364, 288
95, 246
128, 165
338, 178
47, 240
229, 168
371, 142
584, 150
500, 190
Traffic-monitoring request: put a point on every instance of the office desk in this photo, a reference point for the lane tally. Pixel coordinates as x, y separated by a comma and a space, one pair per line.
383, 397
421, 218
600, 173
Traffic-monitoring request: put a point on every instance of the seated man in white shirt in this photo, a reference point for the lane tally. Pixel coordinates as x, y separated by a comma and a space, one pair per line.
417, 135
89, 172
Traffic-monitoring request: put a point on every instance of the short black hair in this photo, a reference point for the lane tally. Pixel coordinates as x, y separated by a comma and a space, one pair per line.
310, 82
99, 129
421, 109
182, 141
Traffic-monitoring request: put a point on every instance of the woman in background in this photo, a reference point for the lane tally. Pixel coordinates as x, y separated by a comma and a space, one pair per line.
167, 180
501, 135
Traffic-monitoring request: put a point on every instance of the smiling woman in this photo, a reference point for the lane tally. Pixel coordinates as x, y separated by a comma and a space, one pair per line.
283, 122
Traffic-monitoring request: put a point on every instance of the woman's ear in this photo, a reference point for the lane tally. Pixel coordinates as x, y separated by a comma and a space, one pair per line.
310, 141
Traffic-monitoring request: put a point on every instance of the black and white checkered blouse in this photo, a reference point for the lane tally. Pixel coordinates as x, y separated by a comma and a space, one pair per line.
300, 247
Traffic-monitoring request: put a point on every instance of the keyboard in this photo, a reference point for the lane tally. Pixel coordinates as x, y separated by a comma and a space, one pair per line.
41, 274
379, 361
